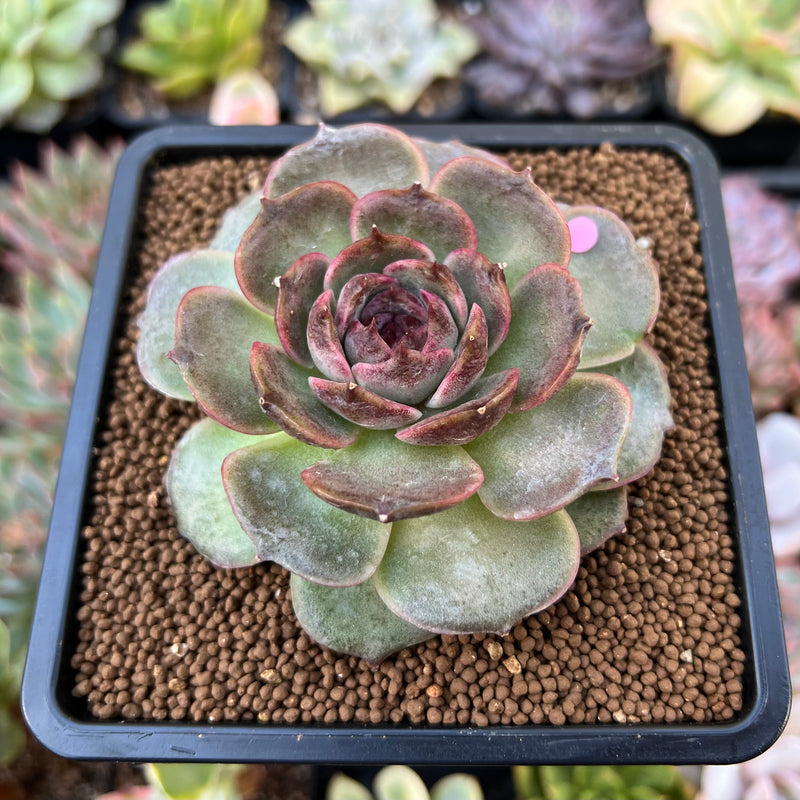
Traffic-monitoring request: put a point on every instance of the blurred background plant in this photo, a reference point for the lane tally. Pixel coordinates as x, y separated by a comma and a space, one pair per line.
244, 98
187, 46
730, 61
399, 782
366, 51
50, 227
550, 57
51, 52
601, 783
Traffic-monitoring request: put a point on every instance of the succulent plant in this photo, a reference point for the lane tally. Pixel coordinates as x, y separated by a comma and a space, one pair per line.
188, 45
388, 365
377, 50
601, 783
779, 444
56, 214
764, 235
51, 52
552, 56
244, 98
399, 781
731, 61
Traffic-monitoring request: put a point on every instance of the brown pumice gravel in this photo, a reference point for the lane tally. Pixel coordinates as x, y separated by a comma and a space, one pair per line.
649, 633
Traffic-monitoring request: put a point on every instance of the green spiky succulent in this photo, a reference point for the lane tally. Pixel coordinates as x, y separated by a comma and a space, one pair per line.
54, 246
406, 405
365, 51
51, 52
56, 214
187, 46
731, 61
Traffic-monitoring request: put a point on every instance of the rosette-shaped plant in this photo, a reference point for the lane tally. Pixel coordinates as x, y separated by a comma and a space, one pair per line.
389, 365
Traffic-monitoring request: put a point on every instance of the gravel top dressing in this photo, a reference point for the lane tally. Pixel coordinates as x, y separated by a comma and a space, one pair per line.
649, 633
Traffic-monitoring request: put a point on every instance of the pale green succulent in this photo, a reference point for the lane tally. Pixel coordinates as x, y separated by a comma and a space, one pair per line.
654, 782
426, 386
378, 50
399, 782
731, 61
187, 46
51, 52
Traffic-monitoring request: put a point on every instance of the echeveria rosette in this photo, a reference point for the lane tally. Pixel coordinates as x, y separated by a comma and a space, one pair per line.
426, 386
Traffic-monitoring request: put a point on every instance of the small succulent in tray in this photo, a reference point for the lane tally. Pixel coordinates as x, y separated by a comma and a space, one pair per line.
56, 214
580, 57
425, 384
51, 224
730, 61
367, 51
186, 46
764, 234
51, 52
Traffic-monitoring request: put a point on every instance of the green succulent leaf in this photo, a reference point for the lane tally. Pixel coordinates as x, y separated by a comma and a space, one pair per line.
458, 786
437, 154
548, 327
385, 479
352, 619
310, 219
539, 460
38, 113
214, 335
645, 377
157, 322
289, 524
517, 223
201, 506
418, 214
342, 787
16, 84
464, 570
63, 80
620, 289
598, 516
365, 158
235, 222
399, 782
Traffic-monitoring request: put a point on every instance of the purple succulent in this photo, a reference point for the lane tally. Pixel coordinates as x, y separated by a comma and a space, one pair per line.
389, 365
551, 56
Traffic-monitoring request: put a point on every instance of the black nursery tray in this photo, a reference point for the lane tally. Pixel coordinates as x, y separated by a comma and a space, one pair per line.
64, 722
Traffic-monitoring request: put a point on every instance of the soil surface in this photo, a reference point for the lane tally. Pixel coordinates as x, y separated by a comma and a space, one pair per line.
649, 633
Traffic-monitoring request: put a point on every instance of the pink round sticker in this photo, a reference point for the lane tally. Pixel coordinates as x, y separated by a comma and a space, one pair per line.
584, 234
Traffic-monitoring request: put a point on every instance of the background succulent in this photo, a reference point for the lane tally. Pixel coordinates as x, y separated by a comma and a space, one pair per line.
55, 214
377, 50
730, 61
552, 56
387, 357
40, 339
187, 46
601, 783
764, 235
51, 52
401, 781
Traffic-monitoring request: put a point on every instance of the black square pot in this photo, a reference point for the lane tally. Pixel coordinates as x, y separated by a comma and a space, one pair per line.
63, 722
